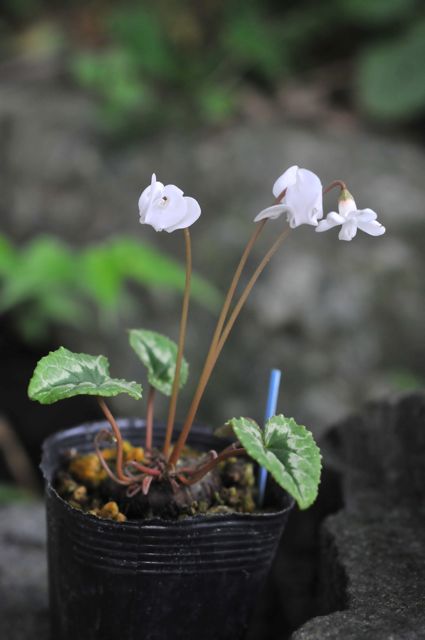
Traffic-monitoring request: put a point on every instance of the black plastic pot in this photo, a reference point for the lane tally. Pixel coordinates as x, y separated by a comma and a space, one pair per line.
153, 579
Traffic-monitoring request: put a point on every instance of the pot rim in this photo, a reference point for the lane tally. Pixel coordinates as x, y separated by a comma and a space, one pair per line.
89, 428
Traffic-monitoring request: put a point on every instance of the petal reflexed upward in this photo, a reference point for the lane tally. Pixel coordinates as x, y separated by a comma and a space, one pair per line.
304, 198
148, 195
288, 178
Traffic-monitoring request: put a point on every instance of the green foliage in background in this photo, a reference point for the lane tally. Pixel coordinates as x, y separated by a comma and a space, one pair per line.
392, 76
46, 282
177, 61
11, 494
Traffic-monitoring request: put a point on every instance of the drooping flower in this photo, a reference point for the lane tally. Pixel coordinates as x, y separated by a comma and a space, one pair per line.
350, 218
300, 196
165, 208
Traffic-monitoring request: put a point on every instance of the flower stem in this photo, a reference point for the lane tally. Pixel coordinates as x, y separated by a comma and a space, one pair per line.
144, 469
103, 462
234, 284
180, 349
212, 357
118, 437
224, 310
335, 183
149, 418
224, 455
244, 296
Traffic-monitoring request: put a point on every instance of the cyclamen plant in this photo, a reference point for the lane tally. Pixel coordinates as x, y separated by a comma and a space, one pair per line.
287, 450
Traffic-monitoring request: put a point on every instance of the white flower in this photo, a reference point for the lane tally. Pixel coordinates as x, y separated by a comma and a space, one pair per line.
300, 194
166, 208
350, 218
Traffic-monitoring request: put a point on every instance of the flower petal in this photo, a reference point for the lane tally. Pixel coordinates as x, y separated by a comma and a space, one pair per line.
272, 212
147, 196
167, 209
304, 198
346, 206
373, 228
193, 211
366, 215
333, 219
348, 230
172, 191
288, 178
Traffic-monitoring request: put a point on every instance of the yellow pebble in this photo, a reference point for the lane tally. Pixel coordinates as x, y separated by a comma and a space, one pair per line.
121, 517
109, 510
85, 468
80, 494
137, 454
126, 447
109, 454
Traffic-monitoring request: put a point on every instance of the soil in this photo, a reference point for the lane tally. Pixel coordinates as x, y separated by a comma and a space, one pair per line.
85, 485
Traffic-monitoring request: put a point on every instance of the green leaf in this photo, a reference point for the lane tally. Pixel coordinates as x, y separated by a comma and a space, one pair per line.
391, 76
376, 13
102, 276
251, 40
9, 494
46, 281
7, 256
216, 102
287, 450
148, 266
141, 34
113, 75
64, 374
158, 353
42, 268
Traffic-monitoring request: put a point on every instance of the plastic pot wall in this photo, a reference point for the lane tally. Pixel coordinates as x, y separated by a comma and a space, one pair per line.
153, 579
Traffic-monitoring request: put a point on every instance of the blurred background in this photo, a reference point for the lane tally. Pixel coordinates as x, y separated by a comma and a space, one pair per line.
218, 97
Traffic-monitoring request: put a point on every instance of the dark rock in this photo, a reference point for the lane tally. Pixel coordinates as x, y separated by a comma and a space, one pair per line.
373, 551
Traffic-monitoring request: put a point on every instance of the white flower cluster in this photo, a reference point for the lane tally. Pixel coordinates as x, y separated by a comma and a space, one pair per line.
299, 194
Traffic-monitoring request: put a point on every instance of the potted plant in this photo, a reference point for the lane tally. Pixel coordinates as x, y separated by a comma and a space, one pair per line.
155, 530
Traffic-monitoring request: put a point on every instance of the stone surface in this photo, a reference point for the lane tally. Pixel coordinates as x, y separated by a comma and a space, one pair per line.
23, 576
373, 551
326, 312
